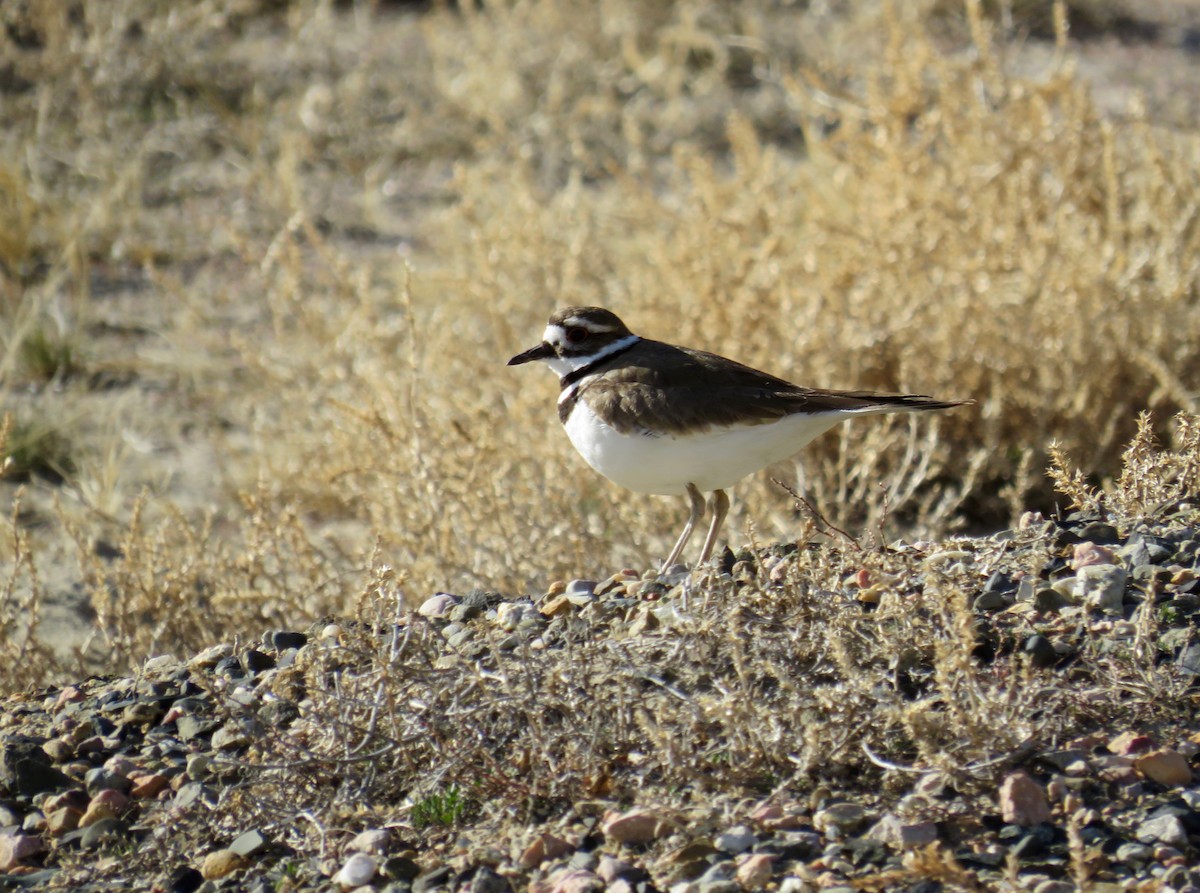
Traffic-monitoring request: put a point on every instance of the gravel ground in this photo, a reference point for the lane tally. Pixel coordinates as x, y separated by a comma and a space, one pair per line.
144, 782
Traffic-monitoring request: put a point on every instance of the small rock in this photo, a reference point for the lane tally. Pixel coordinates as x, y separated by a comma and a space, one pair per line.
62, 820
249, 843
210, 657
581, 589
901, 835
767, 812
373, 840
1189, 659
557, 605
1088, 554
1134, 852
221, 863
610, 868
437, 605
184, 880
1022, 800
1115, 769
544, 846
1166, 829
230, 736
1102, 586
1165, 766
103, 832
635, 826
736, 840
69, 695
16, 847
574, 880
59, 750
401, 868
112, 798
282, 640
159, 663
357, 871
485, 880
101, 779
97, 812
755, 871
147, 787
431, 880
1128, 743
844, 816
510, 614
1041, 651
255, 661
1049, 886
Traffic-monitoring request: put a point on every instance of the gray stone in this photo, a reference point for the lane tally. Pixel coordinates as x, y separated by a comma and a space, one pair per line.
434, 879
1049, 886
401, 868
192, 792
1166, 829
584, 860
1054, 598
1189, 659
249, 843
736, 840
1102, 586
104, 832
898, 834
282, 640
993, 600
487, 881
101, 779
718, 886
190, 727
1040, 651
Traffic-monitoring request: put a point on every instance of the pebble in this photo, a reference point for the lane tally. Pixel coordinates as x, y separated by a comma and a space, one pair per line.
736, 840
842, 816
103, 832
221, 863
755, 872
635, 826
373, 840
1165, 829
357, 871
437, 605
902, 835
1165, 766
1102, 586
249, 843
543, 847
16, 848
1023, 801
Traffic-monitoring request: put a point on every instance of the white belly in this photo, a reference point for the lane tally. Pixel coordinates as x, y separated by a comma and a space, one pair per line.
713, 460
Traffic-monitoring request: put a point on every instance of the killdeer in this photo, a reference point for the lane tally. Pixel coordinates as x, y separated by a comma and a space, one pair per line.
656, 418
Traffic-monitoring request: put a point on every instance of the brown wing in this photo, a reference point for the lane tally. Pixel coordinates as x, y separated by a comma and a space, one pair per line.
666, 389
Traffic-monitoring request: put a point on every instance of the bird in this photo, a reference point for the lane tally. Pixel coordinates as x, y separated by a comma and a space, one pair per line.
661, 419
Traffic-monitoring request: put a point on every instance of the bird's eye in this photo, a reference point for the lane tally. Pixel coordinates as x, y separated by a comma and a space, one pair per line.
577, 335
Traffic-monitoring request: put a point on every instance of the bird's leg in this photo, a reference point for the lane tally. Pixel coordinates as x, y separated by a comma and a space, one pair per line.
696, 514
720, 507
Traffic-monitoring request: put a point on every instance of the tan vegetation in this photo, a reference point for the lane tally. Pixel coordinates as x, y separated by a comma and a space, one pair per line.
261, 266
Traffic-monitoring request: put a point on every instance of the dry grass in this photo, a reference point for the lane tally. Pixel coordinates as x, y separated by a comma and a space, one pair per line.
292, 248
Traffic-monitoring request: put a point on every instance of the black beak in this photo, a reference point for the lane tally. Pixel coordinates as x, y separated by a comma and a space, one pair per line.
541, 352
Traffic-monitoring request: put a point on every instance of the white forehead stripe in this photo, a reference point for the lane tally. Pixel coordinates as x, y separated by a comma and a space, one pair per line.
588, 324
